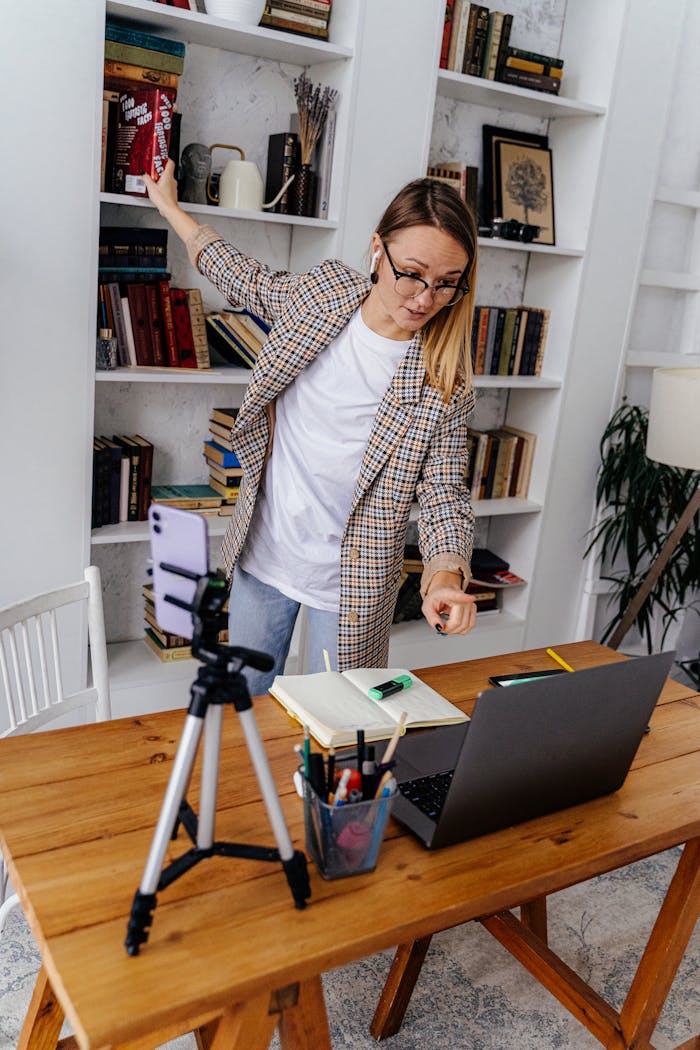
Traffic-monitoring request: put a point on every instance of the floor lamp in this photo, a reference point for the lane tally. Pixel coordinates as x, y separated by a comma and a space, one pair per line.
673, 437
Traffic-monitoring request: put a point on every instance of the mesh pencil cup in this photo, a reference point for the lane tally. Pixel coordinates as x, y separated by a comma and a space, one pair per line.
344, 840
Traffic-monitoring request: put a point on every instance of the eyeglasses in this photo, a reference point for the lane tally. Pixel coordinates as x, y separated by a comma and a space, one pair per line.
408, 286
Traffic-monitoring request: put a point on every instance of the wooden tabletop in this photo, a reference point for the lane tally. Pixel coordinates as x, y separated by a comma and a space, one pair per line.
78, 809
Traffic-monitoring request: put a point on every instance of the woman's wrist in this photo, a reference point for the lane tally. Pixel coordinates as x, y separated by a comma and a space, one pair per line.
445, 578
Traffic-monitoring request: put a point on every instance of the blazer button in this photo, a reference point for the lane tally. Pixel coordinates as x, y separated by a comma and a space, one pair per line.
353, 617
354, 554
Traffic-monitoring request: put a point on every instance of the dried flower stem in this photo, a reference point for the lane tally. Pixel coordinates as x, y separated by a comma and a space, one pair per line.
313, 103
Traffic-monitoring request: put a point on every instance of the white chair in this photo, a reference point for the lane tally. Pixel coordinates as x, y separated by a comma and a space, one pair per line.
31, 688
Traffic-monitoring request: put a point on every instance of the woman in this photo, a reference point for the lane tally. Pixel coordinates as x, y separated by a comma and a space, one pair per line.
365, 387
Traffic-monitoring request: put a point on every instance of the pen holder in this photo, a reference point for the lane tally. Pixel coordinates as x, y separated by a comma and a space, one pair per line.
344, 840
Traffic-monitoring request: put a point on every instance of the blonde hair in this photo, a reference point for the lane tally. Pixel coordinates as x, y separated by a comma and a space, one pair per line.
446, 337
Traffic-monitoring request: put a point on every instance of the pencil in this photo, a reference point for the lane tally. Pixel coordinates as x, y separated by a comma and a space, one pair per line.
389, 753
557, 659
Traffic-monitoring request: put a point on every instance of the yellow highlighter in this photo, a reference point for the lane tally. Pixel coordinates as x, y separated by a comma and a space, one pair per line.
557, 659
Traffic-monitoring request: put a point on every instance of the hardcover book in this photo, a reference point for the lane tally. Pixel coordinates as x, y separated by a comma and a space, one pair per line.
225, 457
183, 328
334, 705
138, 38
144, 122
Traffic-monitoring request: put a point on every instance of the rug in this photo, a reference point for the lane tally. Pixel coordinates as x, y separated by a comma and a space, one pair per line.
471, 994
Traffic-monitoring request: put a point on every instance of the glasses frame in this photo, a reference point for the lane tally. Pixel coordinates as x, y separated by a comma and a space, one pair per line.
462, 286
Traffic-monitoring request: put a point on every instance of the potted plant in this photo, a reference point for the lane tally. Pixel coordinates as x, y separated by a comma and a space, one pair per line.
641, 502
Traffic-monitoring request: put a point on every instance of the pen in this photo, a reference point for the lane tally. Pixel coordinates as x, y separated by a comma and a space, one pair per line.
360, 749
331, 770
557, 659
394, 685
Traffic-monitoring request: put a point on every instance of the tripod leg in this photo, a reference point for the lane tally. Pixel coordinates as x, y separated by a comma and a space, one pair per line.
210, 776
177, 786
293, 861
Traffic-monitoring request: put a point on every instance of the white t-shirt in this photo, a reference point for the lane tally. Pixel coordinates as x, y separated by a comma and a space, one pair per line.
323, 422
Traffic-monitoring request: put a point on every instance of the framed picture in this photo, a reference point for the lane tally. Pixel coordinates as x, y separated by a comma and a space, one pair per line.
491, 136
524, 177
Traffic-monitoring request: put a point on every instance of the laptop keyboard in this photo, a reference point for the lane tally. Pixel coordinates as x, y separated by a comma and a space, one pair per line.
428, 793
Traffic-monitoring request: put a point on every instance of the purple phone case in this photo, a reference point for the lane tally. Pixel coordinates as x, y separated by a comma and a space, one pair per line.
178, 538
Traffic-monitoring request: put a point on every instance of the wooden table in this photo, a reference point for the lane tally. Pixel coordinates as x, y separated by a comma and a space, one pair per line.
229, 955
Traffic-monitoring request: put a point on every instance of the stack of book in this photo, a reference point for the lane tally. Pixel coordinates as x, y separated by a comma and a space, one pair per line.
222, 463
308, 17
462, 177
476, 41
141, 74
154, 323
200, 498
500, 463
122, 467
508, 341
409, 600
237, 336
165, 645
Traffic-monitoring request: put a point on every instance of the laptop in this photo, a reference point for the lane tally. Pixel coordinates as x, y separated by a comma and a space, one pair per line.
529, 749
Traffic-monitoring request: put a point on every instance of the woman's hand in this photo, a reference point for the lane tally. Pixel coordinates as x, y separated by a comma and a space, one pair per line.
164, 195
164, 192
446, 607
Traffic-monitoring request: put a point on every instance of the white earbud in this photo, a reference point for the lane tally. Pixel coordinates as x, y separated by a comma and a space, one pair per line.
373, 263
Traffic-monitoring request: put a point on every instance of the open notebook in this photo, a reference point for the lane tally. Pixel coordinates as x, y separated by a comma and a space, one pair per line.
334, 705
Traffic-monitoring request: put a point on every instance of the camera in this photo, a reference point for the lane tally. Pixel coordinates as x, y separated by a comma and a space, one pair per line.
510, 230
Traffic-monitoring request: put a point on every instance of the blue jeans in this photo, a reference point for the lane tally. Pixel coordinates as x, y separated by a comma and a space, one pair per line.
261, 617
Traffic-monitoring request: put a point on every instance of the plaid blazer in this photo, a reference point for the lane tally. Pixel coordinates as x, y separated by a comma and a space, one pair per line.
417, 446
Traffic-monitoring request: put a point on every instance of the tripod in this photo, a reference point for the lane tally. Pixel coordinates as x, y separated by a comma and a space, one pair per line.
219, 681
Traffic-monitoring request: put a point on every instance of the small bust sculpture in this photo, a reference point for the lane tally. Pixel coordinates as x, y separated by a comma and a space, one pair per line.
194, 170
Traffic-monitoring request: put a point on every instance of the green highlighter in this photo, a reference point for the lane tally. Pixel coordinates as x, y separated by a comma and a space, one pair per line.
381, 692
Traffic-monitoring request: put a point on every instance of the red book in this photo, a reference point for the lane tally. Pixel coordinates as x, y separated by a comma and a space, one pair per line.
142, 140
183, 328
138, 310
166, 307
446, 33
155, 321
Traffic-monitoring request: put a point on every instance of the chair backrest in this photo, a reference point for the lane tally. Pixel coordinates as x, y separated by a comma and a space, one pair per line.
31, 682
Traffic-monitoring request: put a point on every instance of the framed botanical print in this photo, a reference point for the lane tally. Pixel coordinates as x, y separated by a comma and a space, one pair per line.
491, 136
524, 187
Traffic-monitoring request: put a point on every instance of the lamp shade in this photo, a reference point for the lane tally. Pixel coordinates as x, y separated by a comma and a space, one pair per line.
673, 436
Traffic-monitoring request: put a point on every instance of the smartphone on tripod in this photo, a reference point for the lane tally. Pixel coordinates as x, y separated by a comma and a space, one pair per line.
180, 539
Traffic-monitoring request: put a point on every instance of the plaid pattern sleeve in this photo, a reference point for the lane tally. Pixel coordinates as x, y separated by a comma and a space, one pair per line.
446, 518
243, 280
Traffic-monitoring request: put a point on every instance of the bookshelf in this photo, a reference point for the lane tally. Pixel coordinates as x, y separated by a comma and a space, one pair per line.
617, 53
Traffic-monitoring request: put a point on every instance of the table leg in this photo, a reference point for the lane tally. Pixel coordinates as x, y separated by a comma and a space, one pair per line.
664, 951
299, 1011
533, 914
42, 1025
398, 988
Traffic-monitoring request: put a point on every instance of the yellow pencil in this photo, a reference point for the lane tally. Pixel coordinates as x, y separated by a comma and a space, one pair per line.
558, 659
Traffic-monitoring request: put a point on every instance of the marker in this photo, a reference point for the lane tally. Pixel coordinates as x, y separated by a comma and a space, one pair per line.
395, 685
557, 659
307, 750
341, 793
331, 770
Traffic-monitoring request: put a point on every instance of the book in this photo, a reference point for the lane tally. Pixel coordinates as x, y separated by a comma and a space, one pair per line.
255, 325
227, 492
225, 416
166, 309
195, 306
250, 341
132, 247
292, 24
140, 324
230, 476
225, 342
548, 62
142, 56
447, 33
503, 46
324, 164
334, 705
186, 497
458, 38
532, 81
474, 59
184, 337
225, 457
123, 34
112, 290
144, 121
133, 451
128, 331
533, 67
156, 325
117, 74
220, 432
145, 476
163, 652
114, 473
492, 46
